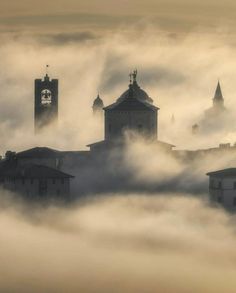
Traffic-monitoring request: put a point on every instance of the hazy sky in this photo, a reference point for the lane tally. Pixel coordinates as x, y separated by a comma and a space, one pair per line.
171, 14
25, 7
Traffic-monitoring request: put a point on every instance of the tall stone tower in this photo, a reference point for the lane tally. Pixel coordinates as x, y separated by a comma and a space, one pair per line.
45, 103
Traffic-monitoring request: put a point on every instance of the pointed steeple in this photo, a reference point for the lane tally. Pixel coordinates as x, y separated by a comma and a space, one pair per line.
218, 98
218, 93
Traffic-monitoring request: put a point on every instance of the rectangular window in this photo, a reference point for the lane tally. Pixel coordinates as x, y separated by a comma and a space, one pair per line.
23, 181
53, 181
62, 181
220, 185
234, 185
32, 181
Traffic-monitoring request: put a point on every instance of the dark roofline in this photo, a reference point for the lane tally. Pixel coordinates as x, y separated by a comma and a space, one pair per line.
96, 143
116, 104
32, 169
38, 152
223, 173
166, 143
110, 142
107, 143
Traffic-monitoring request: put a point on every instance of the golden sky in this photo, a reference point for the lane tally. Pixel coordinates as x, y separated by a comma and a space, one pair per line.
213, 10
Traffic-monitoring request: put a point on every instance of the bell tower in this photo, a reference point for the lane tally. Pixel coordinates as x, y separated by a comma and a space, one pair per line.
45, 102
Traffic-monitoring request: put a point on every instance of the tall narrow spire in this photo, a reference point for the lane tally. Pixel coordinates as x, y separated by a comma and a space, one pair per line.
218, 98
218, 92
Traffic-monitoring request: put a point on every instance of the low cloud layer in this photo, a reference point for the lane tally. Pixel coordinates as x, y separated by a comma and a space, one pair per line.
123, 243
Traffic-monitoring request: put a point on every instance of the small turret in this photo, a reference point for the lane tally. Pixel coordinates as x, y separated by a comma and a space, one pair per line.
98, 106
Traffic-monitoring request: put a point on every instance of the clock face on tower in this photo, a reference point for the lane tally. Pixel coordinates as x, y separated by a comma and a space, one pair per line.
46, 97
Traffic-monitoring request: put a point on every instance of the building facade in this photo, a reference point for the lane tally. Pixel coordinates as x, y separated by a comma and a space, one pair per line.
222, 187
35, 181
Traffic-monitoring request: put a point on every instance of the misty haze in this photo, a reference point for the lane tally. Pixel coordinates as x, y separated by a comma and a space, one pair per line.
118, 146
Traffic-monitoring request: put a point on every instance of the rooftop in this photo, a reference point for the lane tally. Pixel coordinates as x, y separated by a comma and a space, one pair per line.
134, 98
32, 171
39, 152
230, 172
131, 103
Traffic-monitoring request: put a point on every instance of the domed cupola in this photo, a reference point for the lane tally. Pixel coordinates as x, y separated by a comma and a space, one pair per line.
138, 93
98, 105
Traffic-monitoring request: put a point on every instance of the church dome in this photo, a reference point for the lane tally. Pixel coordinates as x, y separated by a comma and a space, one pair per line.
138, 93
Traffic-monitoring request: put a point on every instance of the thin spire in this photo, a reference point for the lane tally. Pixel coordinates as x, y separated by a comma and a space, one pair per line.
218, 92
98, 96
47, 76
47, 67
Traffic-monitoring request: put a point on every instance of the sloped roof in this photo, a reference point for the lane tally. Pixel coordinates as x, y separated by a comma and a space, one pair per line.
122, 143
138, 93
39, 152
133, 99
131, 104
163, 143
230, 172
107, 143
32, 171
